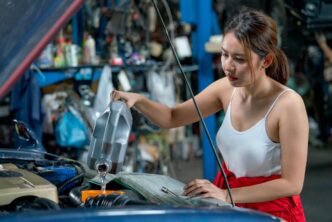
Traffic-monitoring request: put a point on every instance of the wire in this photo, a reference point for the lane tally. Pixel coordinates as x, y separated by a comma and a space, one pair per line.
171, 26
170, 17
68, 183
196, 106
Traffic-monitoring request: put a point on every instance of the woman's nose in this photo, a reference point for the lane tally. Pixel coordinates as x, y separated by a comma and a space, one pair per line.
227, 65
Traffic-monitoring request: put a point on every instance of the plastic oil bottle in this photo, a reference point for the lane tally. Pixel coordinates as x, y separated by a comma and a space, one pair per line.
110, 139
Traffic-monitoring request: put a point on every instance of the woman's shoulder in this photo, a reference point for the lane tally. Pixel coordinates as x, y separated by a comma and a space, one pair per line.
223, 89
223, 85
289, 100
290, 95
290, 112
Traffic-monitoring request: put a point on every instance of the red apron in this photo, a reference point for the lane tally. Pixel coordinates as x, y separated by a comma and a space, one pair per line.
287, 208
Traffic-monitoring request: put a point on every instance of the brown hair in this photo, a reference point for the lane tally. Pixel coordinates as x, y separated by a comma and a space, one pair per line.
258, 32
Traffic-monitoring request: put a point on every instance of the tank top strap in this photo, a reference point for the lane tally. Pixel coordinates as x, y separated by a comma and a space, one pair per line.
275, 101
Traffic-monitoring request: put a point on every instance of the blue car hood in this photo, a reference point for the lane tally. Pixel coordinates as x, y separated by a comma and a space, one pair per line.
145, 214
25, 29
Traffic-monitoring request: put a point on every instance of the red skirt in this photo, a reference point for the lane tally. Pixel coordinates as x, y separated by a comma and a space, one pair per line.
287, 208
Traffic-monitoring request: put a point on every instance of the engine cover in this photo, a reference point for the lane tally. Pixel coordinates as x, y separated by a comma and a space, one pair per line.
15, 183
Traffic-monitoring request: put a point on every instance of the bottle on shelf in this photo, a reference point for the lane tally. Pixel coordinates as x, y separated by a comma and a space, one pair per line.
89, 50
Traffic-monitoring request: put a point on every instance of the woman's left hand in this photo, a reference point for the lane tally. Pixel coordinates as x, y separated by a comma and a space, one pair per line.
205, 189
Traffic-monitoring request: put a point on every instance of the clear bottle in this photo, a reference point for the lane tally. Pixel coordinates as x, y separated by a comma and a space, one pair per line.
110, 138
90, 50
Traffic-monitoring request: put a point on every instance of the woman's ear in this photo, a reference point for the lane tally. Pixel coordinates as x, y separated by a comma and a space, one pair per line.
267, 61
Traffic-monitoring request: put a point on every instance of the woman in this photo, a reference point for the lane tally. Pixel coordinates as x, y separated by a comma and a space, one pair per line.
264, 135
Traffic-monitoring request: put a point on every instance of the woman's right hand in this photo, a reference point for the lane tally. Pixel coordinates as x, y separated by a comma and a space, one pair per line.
129, 98
320, 38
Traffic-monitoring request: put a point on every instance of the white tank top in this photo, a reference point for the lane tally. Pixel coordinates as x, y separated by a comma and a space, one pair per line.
249, 153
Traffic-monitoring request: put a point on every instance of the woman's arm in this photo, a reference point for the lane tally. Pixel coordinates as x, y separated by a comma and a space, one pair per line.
166, 117
321, 40
293, 134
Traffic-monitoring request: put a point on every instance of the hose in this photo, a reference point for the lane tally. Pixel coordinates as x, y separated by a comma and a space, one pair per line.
111, 200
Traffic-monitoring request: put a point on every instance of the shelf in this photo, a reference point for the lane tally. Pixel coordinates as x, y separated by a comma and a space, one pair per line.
49, 76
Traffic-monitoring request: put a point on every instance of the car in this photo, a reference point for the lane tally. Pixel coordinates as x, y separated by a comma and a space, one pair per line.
39, 186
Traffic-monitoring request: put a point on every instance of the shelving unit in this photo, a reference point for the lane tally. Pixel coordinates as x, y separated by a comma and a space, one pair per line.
198, 13
50, 76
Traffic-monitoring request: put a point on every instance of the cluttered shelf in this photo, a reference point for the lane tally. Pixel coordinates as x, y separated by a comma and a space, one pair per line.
50, 75
85, 61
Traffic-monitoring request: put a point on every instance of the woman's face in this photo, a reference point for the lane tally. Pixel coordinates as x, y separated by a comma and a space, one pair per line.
234, 63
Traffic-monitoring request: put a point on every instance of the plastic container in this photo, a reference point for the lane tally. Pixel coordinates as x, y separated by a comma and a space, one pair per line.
89, 54
110, 138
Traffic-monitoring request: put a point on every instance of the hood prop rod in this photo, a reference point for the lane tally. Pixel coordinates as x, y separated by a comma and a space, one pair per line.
196, 106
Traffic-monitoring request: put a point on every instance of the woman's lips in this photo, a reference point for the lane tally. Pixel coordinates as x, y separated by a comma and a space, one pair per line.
232, 78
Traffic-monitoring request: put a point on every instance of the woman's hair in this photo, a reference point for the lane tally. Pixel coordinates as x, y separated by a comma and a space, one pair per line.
258, 32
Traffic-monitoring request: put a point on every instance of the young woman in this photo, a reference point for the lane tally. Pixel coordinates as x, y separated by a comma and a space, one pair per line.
264, 135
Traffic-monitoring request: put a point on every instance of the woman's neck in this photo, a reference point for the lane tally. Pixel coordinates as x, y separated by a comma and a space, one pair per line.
259, 89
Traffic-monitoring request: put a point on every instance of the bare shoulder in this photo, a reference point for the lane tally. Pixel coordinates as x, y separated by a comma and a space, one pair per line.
221, 84
224, 90
291, 99
291, 104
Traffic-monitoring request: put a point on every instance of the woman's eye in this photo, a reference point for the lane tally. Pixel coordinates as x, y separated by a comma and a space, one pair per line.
224, 55
241, 60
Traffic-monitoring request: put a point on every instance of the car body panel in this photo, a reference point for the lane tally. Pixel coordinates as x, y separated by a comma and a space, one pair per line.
144, 214
26, 27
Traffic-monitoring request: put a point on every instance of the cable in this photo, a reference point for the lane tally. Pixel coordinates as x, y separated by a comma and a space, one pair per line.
68, 183
171, 28
196, 106
62, 160
67, 160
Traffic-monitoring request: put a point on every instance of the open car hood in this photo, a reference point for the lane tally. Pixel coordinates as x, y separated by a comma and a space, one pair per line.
25, 29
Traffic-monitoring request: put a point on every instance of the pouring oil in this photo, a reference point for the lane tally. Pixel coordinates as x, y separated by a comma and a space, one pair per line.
102, 170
